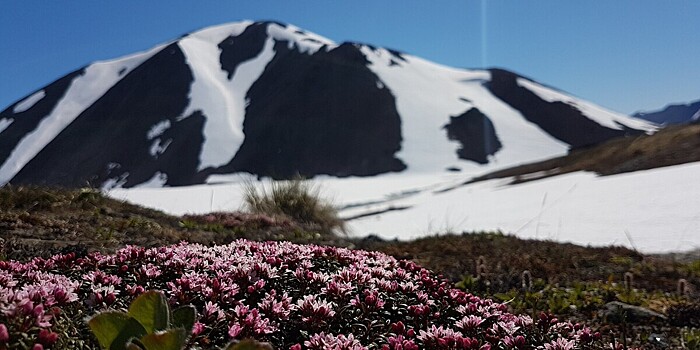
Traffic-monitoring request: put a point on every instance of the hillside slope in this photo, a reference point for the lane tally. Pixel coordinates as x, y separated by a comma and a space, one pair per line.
673, 145
273, 100
673, 114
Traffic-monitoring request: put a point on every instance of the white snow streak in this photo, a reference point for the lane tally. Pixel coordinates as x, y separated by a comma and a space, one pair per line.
158, 147
594, 112
115, 182
158, 180
158, 129
83, 91
217, 34
222, 101
425, 146
696, 116
4, 123
29, 102
305, 42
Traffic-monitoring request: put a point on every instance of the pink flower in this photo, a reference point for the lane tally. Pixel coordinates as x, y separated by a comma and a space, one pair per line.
585, 336
47, 337
515, 342
25, 306
234, 286
322, 341
234, 330
197, 329
134, 290
337, 290
4, 335
212, 312
276, 307
442, 337
372, 299
150, 271
469, 323
38, 311
41, 319
62, 296
419, 310
399, 343
398, 328
560, 344
313, 310
260, 326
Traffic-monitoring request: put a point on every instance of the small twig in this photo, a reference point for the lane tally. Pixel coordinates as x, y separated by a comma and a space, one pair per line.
629, 238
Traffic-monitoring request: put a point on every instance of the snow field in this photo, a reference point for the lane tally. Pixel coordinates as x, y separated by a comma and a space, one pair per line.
659, 209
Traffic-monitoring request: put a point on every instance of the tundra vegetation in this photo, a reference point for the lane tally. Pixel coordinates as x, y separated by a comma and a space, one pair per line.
69, 257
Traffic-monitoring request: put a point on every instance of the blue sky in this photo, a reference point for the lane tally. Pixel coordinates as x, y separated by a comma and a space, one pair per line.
626, 55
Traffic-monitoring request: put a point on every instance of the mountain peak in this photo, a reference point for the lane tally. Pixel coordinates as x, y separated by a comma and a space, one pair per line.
305, 41
271, 99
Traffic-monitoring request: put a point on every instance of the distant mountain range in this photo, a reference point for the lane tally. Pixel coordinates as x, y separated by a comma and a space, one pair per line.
273, 100
673, 114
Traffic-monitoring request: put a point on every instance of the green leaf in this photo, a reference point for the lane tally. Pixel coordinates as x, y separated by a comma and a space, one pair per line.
184, 317
151, 310
114, 329
173, 339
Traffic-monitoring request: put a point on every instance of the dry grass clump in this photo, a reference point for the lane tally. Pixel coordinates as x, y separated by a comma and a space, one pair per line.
46, 198
296, 199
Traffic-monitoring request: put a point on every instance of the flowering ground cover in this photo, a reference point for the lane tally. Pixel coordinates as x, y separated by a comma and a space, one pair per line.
293, 296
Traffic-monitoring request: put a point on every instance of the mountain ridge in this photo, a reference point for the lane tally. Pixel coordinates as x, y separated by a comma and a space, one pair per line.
675, 113
276, 101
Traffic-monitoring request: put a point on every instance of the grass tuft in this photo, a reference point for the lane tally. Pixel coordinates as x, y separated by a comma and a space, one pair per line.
297, 199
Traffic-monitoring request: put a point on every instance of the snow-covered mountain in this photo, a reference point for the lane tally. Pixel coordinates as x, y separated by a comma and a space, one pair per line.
273, 100
673, 114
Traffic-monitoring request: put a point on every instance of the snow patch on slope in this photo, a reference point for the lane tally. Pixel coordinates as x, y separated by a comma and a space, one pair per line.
217, 34
115, 182
83, 91
594, 112
425, 145
29, 102
158, 147
580, 207
4, 123
222, 101
158, 129
305, 42
696, 116
157, 181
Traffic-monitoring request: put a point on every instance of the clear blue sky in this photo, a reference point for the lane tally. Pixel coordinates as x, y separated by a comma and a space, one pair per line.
626, 55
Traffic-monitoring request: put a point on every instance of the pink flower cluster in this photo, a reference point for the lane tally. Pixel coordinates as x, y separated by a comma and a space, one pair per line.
293, 296
29, 300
